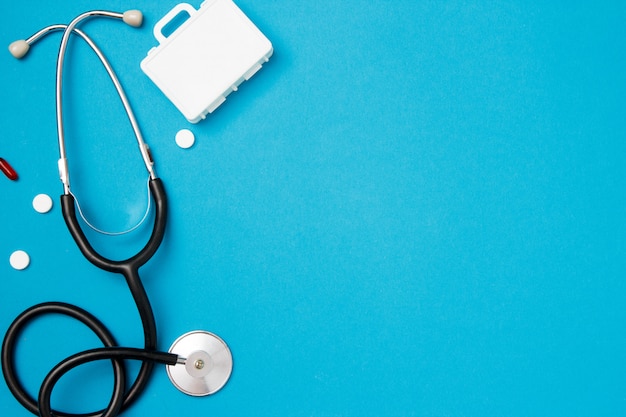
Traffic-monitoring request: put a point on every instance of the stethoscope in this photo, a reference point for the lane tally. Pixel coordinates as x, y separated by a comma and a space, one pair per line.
198, 363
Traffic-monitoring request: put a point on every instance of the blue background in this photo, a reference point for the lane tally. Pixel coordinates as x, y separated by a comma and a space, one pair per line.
416, 208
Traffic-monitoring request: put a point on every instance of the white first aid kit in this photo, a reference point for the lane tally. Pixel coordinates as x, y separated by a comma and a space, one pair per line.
207, 57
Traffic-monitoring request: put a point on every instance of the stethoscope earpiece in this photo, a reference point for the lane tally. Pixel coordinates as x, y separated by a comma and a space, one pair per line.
19, 48
133, 18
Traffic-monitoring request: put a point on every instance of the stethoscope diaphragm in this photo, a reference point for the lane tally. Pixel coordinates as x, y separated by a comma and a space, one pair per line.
207, 366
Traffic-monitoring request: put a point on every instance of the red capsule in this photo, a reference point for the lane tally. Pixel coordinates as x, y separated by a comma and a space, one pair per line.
8, 170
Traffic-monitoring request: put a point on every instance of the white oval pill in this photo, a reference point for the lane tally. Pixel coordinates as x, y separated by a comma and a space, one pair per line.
19, 260
42, 203
185, 138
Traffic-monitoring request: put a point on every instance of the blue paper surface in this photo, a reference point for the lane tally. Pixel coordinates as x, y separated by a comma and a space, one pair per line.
416, 208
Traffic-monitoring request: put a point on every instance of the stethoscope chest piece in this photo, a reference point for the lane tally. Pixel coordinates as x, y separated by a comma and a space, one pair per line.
207, 366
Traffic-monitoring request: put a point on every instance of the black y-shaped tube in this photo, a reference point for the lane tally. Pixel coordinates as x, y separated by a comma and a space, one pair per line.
129, 268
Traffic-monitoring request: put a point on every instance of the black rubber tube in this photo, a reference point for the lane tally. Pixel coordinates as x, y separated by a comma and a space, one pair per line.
121, 398
114, 354
12, 336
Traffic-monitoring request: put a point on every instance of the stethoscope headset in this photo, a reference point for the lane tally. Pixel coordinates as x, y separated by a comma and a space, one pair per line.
198, 363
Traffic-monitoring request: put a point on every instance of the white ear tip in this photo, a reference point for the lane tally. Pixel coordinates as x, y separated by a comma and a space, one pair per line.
133, 18
19, 48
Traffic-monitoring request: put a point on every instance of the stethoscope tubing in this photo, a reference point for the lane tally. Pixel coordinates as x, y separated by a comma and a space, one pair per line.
120, 399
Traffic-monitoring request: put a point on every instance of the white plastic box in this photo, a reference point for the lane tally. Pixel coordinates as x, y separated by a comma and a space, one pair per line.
207, 57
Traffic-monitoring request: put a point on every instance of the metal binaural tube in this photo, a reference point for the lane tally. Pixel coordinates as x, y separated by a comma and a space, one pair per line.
68, 30
20, 48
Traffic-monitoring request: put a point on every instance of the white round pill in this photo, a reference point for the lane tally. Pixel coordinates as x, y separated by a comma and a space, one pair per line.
185, 138
19, 260
42, 203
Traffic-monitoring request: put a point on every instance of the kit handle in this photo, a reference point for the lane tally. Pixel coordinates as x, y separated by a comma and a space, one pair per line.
179, 8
